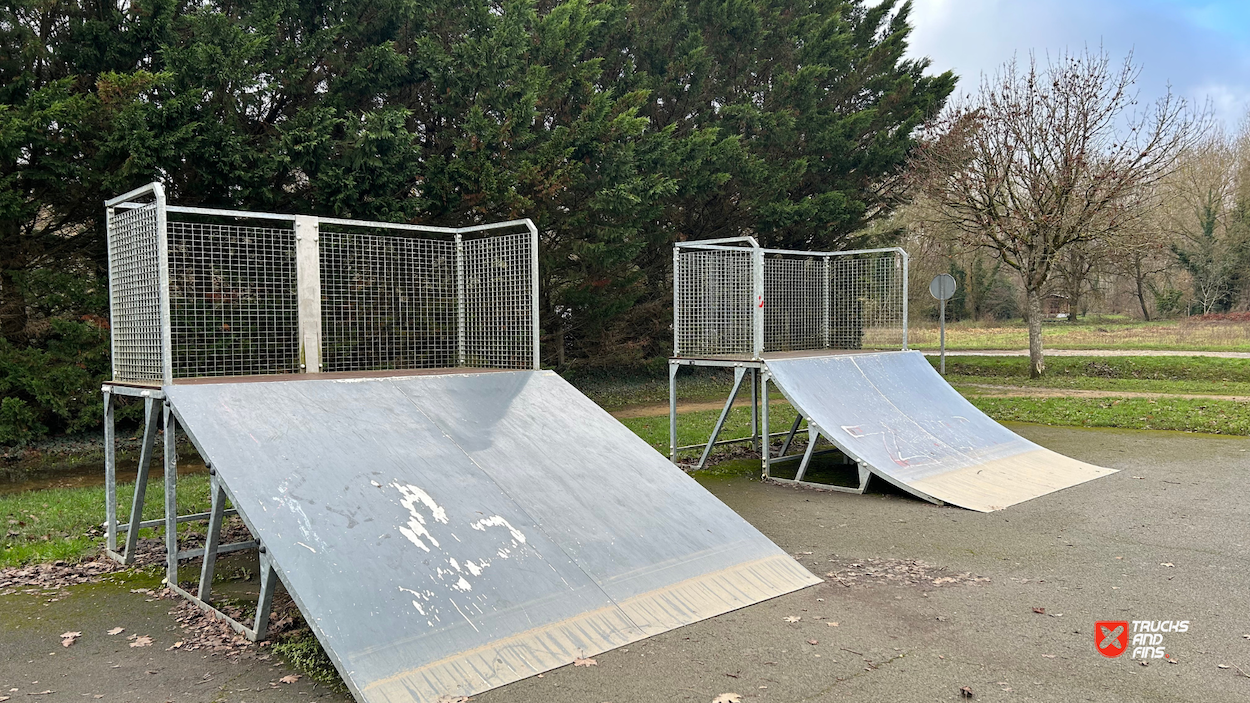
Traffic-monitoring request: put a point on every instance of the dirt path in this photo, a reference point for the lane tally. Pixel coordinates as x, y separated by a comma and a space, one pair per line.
1091, 352
659, 410
983, 390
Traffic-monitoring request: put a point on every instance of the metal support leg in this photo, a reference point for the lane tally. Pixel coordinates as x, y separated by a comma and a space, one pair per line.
767, 447
755, 406
110, 478
171, 497
268, 580
672, 411
794, 429
739, 373
813, 434
213, 538
151, 418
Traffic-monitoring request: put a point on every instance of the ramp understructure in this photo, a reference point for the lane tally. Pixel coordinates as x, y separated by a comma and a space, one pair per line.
829, 329
447, 534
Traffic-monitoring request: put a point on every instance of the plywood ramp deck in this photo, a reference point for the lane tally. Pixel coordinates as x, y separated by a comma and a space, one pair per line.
447, 534
894, 414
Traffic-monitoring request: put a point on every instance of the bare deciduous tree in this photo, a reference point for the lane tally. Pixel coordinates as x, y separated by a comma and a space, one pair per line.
1044, 158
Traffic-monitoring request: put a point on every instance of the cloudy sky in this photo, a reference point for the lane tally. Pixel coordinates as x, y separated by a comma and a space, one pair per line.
1202, 49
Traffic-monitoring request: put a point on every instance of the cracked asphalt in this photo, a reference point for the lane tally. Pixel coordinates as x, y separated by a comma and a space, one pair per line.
926, 600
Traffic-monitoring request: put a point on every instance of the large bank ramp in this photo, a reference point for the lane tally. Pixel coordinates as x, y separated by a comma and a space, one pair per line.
446, 534
895, 415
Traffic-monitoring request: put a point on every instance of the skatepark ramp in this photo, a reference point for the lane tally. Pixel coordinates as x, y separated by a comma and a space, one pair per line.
447, 517
820, 326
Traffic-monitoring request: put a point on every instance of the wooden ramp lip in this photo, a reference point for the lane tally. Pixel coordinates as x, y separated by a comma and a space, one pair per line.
892, 412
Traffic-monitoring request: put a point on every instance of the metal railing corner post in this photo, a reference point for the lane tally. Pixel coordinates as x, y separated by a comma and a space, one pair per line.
676, 301
308, 288
757, 286
162, 249
461, 336
906, 274
534, 322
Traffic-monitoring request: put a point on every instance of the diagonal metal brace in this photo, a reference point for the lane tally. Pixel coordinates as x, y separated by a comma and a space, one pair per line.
739, 374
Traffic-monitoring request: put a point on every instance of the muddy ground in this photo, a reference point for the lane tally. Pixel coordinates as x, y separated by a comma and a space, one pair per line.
926, 600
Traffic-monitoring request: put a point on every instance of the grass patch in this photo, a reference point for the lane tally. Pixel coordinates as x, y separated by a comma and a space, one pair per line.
693, 428
1185, 374
1209, 416
304, 653
63, 524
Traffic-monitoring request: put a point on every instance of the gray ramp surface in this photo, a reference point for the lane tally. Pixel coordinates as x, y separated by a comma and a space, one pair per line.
893, 413
448, 534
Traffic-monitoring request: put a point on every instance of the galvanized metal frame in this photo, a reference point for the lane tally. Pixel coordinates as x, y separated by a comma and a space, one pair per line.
157, 412
756, 363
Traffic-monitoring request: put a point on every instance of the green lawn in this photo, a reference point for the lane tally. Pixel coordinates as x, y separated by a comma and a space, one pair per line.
1160, 374
1210, 416
64, 523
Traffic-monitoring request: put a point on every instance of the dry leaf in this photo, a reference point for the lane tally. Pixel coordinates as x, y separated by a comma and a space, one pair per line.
4, 698
143, 641
728, 698
792, 618
832, 624
289, 678
813, 642
965, 691
585, 661
1049, 656
67, 638
1222, 666
1040, 611
1167, 564
117, 630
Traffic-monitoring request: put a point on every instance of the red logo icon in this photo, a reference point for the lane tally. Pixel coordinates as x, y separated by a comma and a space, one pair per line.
1111, 637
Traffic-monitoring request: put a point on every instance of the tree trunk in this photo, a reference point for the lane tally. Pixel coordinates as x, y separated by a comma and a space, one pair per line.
13, 315
1033, 315
1141, 297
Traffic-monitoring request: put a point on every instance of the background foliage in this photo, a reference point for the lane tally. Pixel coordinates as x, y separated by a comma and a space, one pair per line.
617, 127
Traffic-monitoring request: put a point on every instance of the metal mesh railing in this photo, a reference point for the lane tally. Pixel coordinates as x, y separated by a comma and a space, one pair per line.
867, 301
135, 293
388, 302
714, 302
498, 302
811, 300
232, 302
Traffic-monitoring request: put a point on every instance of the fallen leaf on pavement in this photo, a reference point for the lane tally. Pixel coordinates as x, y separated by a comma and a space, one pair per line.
143, 641
813, 642
585, 661
728, 698
289, 678
965, 691
67, 638
1222, 666
117, 630
1040, 611
1167, 564
832, 624
792, 618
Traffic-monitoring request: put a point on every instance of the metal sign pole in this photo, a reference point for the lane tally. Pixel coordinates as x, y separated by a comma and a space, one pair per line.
942, 287
942, 305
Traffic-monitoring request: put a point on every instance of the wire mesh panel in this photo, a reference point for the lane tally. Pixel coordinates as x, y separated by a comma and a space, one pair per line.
812, 300
135, 295
388, 302
714, 302
232, 302
866, 301
794, 292
498, 303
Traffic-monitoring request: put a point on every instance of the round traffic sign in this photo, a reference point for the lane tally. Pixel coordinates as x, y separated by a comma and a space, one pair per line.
942, 286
